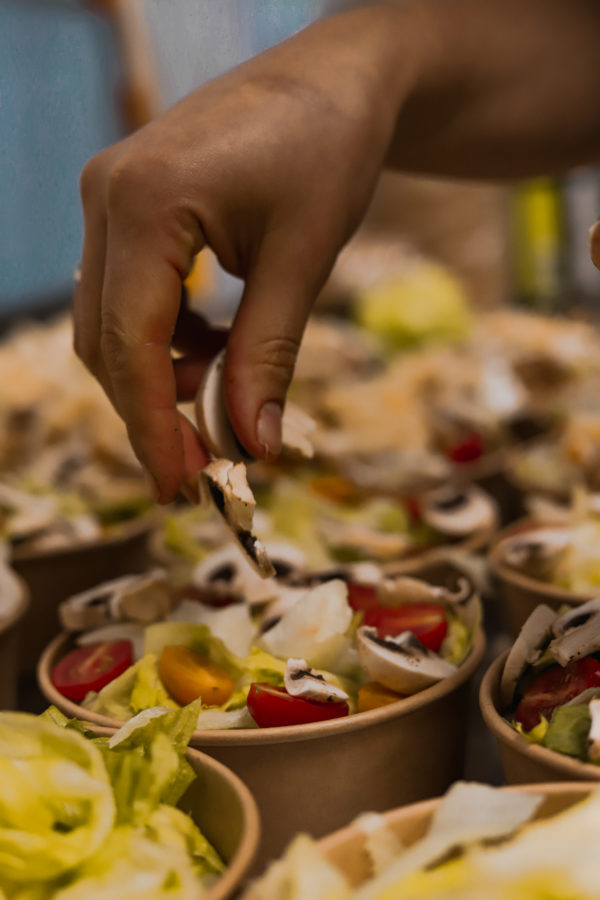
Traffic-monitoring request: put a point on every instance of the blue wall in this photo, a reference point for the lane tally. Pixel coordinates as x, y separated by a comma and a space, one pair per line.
58, 74
58, 71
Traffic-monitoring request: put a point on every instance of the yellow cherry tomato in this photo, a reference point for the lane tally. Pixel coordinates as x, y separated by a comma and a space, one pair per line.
372, 695
188, 675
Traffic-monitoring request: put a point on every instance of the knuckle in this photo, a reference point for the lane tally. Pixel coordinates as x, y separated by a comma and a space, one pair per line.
92, 176
276, 356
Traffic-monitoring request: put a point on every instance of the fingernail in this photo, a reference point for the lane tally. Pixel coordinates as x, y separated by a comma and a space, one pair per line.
151, 485
268, 428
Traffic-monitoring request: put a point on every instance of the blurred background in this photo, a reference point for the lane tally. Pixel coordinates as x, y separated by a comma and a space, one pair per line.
76, 76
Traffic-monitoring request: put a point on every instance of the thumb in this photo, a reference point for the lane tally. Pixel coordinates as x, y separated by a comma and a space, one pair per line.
595, 243
263, 345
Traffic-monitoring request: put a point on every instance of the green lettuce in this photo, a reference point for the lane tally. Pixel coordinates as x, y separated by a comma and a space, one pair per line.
457, 644
568, 731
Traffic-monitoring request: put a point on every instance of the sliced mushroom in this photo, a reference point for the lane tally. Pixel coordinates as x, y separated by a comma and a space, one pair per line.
538, 552
457, 512
526, 650
136, 598
594, 735
217, 432
227, 486
575, 617
400, 663
301, 680
577, 642
228, 573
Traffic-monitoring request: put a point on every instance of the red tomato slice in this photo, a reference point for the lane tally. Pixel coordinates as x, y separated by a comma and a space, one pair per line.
469, 449
90, 668
427, 621
273, 707
361, 596
555, 686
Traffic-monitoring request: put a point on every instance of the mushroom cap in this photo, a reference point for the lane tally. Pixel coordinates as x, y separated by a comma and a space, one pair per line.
301, 680
457, 512
536, 552
526, 650
401, 663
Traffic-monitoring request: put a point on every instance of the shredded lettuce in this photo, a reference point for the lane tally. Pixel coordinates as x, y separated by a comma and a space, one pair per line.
458, 642
83, 820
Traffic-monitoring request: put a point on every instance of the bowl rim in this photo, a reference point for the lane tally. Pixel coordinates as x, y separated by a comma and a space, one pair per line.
20, 608
525, 582
245, 854
139, 526
504, 734
285, 734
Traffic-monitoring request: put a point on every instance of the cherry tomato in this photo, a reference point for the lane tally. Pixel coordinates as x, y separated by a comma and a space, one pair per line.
91, 667
188, 675
555, 686
273, 707
414, 507
468, 450
427, 621
373, 695
361, 596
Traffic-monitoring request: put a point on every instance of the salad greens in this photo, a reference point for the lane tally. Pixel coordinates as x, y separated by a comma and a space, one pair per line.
481, 843
89, 817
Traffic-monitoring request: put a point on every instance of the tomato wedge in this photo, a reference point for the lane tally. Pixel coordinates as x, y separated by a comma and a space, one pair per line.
273, 707
90, 668
188, 675
361, 596
427, 621
555, 686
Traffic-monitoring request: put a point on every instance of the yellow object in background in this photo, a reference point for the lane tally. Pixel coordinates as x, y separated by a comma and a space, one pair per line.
537, 237
200, 283
424, 303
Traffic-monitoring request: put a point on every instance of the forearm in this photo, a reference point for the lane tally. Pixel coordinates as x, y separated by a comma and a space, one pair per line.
496, 88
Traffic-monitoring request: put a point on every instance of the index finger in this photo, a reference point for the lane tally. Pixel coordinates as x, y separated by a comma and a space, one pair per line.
140, 303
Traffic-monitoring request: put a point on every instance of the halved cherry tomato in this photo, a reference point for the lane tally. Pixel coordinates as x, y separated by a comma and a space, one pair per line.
188, 675
273, 707
555, 686
372, 695
427, 621
361, 596
90, 668
468, 450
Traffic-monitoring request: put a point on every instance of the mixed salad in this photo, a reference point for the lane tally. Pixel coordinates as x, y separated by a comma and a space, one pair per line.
481, 843
550, 684
297, 648
562, 550
96, 818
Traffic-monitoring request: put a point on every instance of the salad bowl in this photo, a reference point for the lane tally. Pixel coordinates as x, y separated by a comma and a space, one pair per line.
319, 775
52, 575
523, 761
521, 591
351, 851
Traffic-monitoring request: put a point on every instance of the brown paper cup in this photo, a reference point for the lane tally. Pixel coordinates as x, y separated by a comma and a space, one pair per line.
521, 593
226, 813
317, 777
524, 762
52, 576
10, 642
346, 848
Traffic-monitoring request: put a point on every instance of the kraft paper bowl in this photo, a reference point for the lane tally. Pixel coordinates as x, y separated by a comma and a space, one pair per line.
226, 813
524, 762
521, 593
53, 575
346, 848
317, 777
10, 646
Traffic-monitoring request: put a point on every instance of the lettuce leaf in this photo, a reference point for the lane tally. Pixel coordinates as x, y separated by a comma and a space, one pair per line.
568, 731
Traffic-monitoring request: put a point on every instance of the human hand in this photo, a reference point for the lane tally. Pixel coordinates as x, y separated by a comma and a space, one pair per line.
272, 166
